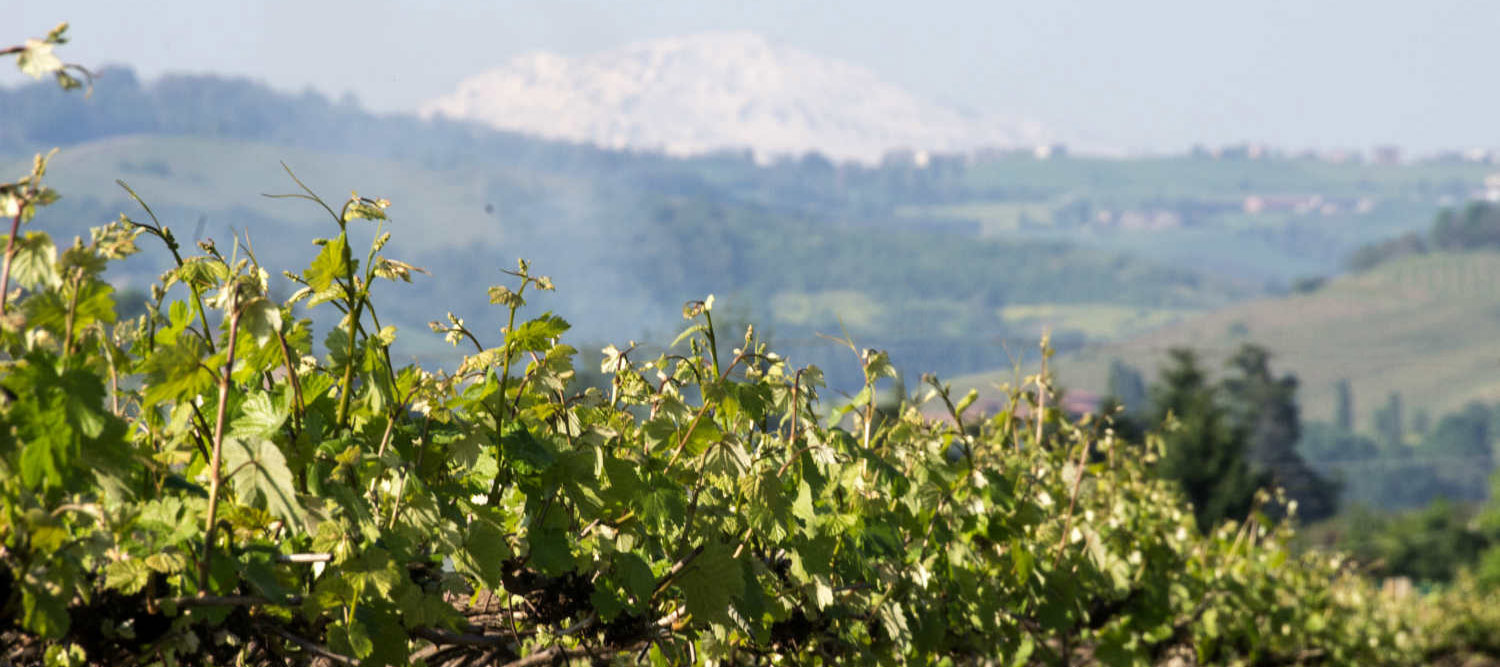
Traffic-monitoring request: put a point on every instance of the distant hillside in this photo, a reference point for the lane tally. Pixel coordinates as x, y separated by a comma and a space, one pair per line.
630, 256
952, 265
1475, 227
1427, 326
718, 91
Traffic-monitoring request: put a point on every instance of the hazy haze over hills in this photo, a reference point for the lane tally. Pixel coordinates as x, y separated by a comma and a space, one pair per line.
719, 90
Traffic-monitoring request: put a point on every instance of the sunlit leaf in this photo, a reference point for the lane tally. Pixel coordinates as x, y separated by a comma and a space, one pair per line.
35, 262
260, 474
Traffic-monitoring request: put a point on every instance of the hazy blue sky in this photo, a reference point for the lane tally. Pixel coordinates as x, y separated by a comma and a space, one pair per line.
1143, 74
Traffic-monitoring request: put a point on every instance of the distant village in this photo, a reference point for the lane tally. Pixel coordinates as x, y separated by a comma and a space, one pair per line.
1175, 214
1379, 155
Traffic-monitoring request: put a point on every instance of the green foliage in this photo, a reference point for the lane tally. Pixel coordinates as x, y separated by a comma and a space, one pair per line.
1475, 227
205, 462
1127, 387
1206, 451
1265, 408
1451, 460
1428, 545
36, 59
197, 486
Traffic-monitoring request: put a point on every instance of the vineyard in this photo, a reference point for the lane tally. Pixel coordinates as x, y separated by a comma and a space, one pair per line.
210, 483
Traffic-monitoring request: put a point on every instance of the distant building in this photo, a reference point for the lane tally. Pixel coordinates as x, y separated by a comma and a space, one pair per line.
998, 153
1492, 187
898, 157
1479, 155
1386, 155
1339, 156
1245, 151
1468, 155
1048, 151
1305, 204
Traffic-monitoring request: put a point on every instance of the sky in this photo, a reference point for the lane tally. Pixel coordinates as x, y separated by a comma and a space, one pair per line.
1145, 75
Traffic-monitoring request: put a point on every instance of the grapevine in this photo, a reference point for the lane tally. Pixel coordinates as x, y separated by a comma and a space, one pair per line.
210, 484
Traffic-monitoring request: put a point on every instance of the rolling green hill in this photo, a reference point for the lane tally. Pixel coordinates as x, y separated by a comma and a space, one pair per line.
951, 265
630, 255
210, 175
1426, 326
1270, 220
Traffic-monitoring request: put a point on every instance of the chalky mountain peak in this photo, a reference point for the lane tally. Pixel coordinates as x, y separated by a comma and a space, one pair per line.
719, 91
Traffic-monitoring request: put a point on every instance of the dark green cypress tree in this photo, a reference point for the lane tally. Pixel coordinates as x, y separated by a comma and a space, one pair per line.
1344, 413
1127, 387
1264, 408
1205, 453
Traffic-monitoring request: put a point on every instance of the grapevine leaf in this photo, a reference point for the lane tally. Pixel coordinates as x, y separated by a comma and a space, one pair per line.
702, 437
81, 260
502, 295
54, 415
727, 458
259, 417
261, 573
814, 557
43, 613
351, 639
203, 273
176, 372
484, 552
50, 309
260, 472
530, 455
1023, 652
550, 551
538, 334
710, 581
420, 610
337, 344
802, 507
167, 562
51, 443
624, 482
330, 264
769, 510
749, 609
607, 602
127, 576
35, 261
261, 318
37, 59
636, 576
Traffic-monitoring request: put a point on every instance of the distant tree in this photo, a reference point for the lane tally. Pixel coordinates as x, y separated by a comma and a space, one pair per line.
1430, 544
1323, 443
1127, 387
1205, 453
1389, 430
1464, 436
1421, 421
1308, 284
1372, 255
1344, 408
1264, 408
1476, 226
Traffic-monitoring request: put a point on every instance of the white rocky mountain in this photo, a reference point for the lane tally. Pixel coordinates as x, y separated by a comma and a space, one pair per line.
697, 94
